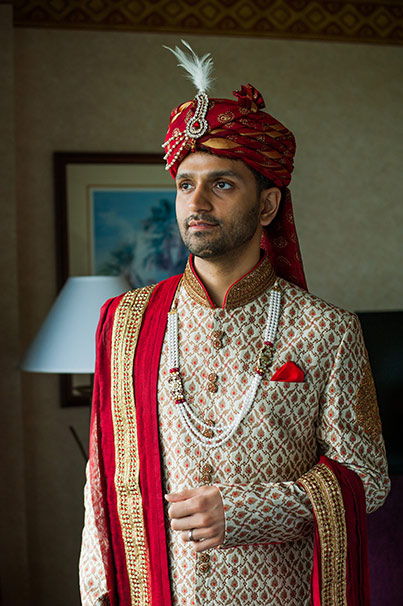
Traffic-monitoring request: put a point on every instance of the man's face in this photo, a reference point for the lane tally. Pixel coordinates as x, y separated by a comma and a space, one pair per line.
217, 205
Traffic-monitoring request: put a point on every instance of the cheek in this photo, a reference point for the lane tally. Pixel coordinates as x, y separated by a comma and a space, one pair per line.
177, 206
180, 210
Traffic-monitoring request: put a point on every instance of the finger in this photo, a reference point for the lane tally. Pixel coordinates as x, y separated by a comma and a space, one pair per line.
186, 523
186, 508
174, 497
206, 544
198, 534
180, 510
193, 518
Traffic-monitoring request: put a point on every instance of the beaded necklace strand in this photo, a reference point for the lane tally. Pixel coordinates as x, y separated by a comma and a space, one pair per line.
195, 426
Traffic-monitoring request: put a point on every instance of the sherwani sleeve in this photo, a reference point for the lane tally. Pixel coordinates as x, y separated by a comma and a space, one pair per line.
93, 583
94, 562
348, 431
349, 426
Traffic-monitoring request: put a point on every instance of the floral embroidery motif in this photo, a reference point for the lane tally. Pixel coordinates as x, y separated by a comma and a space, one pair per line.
225, 117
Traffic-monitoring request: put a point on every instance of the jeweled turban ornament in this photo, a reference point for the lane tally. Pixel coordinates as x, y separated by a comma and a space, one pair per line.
199, 71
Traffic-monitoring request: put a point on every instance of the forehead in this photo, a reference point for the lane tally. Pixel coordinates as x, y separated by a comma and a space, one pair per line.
204, 163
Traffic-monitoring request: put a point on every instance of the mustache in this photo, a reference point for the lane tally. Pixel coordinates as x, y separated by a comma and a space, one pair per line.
202, 217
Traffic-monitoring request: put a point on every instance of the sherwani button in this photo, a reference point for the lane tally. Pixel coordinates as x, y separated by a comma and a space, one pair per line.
207, 468
208, 433
218, 334
206, 473
205, 567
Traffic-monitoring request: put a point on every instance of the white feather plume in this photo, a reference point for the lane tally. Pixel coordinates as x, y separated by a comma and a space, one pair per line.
199, 68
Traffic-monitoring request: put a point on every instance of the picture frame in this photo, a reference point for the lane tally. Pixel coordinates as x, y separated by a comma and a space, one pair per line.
114, 214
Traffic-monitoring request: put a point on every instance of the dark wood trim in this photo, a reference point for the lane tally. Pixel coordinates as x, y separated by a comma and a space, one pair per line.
374, 21
61, 160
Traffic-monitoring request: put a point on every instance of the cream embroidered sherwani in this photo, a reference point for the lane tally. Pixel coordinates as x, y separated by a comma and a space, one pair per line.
266, 558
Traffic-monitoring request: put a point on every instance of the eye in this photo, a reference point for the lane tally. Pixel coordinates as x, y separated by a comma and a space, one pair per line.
223, 185
183, 186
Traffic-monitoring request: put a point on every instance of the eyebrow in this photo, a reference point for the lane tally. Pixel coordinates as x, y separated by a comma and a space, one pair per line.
216, 174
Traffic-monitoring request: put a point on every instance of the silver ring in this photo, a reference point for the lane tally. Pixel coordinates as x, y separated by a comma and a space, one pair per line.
190, 535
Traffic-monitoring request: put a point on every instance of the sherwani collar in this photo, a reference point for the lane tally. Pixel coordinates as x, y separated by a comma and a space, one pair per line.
243, 291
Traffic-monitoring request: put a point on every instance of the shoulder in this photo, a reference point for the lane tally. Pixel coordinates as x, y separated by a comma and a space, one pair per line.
308, 309
145, 293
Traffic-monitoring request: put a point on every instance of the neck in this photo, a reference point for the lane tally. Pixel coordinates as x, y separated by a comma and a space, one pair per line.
220, 273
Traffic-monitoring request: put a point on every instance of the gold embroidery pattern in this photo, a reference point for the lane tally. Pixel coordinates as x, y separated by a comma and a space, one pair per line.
366, 406
124, 340
246, 290
324, 492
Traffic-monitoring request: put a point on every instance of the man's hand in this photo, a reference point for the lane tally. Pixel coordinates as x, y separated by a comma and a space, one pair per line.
201, 510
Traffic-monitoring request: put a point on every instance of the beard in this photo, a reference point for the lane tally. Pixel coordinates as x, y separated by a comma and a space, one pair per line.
225, 238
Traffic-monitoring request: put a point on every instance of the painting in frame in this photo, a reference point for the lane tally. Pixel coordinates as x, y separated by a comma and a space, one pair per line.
115, 215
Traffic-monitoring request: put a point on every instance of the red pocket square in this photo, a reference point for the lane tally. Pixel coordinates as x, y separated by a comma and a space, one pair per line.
289, 372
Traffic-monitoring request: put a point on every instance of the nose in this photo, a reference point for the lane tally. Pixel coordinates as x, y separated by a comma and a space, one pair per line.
199, 199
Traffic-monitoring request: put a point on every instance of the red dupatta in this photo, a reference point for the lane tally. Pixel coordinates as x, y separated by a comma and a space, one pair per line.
340, 572
105, 451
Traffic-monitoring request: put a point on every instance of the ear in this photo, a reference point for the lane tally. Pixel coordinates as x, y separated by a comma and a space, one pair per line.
269, 204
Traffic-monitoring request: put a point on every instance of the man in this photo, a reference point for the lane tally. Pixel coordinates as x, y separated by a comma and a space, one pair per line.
217, 391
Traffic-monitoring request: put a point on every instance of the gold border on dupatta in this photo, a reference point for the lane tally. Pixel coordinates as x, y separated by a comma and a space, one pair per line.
326, 498
126, 328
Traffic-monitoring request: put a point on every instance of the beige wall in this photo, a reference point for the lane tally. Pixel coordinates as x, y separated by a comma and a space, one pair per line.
99, 91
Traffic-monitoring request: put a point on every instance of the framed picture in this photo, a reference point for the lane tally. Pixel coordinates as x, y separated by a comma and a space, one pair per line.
115, 215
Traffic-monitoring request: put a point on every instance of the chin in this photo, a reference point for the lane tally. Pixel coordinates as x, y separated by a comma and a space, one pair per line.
204, 254
198, 251
201, 249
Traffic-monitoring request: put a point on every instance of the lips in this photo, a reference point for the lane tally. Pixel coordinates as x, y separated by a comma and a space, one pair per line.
198, 223
201, 225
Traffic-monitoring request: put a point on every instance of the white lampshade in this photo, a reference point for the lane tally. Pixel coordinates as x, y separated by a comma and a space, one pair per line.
65, 342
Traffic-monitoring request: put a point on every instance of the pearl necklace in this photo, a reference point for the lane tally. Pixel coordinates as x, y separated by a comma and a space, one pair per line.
196, 427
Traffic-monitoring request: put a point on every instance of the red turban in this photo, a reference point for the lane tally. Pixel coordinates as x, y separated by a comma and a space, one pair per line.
239, 130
